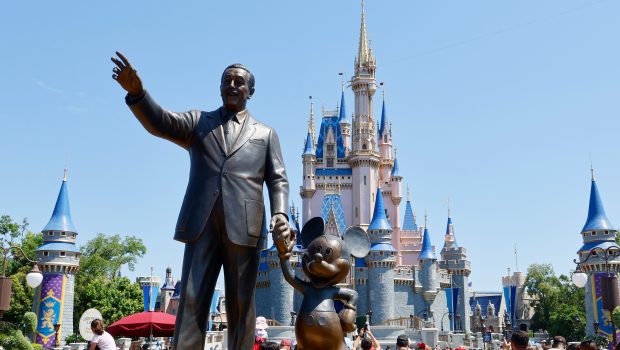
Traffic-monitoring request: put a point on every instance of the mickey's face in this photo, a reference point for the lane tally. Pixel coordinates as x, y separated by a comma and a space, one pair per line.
322, 261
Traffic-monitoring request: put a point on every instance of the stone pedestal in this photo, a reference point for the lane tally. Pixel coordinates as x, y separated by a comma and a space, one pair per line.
430, 336
456, 340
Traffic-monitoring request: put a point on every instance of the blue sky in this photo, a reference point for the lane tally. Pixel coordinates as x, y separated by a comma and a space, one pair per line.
495, 105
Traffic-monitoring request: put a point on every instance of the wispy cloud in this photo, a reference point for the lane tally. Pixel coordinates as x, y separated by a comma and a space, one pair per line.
46, 87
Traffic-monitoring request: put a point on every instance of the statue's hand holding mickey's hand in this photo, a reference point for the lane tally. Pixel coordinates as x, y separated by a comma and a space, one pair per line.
127, 76
283, 236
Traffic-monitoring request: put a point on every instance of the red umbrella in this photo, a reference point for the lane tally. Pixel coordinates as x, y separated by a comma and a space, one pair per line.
144, 324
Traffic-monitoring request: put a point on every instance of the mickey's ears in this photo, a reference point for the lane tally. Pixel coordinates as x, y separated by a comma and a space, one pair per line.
357, 241
311, 230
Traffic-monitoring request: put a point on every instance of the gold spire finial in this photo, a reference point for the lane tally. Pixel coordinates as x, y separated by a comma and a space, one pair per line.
64, 177
425, 218
362, 54
591, 167
341, 74
449, 215
311, 123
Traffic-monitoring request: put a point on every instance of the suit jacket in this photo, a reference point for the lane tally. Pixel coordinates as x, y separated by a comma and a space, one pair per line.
237, 175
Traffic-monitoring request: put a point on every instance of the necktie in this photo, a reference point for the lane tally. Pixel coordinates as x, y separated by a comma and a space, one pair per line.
229, 136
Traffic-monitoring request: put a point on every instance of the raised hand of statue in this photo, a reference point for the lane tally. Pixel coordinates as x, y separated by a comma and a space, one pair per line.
126, 76
283, 236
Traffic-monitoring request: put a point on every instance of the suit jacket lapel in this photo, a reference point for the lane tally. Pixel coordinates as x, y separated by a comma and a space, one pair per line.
215, 123
247, 130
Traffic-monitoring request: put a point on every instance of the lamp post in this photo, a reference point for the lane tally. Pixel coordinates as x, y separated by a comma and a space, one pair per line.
33, 278
609, 283
449, 318
56, 330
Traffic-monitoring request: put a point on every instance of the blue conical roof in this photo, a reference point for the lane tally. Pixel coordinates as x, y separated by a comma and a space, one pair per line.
342, 116
309, 147
427, 248
450, 232
597, 219
395, 169
409, 223
61, 217
384, 122
379, 219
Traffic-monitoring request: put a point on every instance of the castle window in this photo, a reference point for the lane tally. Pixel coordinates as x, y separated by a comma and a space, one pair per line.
330, 147
364, 180
50, 233
356, 211
330, 162
46, 253
63, 233
364, 146
385, 138
63, 254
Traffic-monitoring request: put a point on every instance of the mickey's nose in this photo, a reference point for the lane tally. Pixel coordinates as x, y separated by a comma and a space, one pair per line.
318, 257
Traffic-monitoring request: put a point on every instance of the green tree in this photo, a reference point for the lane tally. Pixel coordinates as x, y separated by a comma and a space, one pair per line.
105, 255
115, 298
557, 302
97, 282
17, 266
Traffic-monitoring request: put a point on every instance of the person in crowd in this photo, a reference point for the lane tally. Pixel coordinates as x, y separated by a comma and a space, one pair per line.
285, 344
559, 342
572, 346
366, 340
519, 340
260, 333
101, 339
588, 345
402, 342
269, 345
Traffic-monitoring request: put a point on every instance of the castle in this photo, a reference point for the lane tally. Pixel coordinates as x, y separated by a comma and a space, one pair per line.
351, 178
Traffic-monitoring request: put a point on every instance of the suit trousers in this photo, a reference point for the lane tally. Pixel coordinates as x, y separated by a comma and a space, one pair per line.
202, 262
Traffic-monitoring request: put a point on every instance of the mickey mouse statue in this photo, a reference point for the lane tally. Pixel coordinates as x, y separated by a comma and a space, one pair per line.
326, 262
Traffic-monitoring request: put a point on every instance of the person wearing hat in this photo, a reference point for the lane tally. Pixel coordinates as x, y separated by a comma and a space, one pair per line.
402, 342
260, 333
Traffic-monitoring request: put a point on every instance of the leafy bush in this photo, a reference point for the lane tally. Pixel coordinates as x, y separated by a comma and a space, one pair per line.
600, 340
30, 324
74, 338
37, 347
15, 341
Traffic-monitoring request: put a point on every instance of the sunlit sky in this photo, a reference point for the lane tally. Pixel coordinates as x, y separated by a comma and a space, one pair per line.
496, 105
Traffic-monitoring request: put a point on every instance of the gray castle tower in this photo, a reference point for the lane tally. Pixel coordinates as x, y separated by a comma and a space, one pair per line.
454, 261
433, 304
381, 261
59, 260
598, 232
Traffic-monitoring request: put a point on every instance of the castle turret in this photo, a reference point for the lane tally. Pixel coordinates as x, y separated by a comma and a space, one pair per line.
381, 261
345, 126
167, 290
59, 260
386, 151
308, 187
597, 233
454, 261
428, 269
364, 158
410, 236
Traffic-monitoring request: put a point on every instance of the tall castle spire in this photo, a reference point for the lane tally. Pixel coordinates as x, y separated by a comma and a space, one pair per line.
363, 53
597, 218
311, 123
